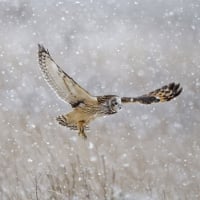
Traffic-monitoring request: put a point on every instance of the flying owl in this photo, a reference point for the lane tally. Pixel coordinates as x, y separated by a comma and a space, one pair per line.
87, 107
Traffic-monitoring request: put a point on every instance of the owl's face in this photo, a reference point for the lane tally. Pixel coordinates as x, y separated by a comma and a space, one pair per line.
115, 104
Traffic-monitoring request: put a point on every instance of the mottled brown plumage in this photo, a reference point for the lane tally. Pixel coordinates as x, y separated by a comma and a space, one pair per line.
165, 93
85, 106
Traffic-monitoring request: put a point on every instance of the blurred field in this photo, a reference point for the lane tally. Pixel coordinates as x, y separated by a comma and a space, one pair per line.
109, 47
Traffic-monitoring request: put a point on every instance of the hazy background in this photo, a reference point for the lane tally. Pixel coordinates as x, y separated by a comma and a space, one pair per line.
109, 47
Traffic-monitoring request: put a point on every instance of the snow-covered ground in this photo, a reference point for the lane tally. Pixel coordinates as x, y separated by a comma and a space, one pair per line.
109, 47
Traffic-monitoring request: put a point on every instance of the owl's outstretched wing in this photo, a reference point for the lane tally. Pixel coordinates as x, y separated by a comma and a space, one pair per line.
64, 86
165, 93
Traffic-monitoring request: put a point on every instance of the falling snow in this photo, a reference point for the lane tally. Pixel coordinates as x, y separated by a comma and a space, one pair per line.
109, 47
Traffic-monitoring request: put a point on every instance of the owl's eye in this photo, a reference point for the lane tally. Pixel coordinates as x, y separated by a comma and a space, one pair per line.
114, 103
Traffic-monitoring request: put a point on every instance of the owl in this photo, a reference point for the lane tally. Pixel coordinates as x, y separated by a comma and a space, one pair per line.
87, 107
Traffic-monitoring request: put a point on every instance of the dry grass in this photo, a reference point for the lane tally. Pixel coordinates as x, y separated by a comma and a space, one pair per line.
37, 164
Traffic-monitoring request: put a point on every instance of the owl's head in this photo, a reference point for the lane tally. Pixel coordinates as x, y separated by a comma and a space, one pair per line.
115, 104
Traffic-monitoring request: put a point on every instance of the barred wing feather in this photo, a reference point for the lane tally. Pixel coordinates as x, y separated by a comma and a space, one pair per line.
64, 86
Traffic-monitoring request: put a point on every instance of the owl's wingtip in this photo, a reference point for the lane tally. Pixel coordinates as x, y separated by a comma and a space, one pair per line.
176, 88
42, 49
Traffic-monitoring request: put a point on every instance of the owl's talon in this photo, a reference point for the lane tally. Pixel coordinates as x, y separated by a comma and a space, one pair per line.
82, 135
81, 129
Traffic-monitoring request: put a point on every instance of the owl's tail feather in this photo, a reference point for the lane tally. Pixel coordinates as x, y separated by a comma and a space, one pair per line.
64, 121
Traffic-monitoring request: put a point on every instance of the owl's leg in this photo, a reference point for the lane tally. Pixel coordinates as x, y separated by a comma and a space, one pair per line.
81, 125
